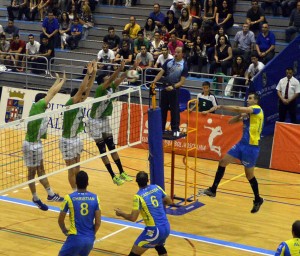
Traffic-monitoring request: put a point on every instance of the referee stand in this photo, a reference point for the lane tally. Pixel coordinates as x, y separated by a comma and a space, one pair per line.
181, 204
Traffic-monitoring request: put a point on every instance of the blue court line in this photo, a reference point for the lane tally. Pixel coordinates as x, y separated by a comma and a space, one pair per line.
193, 237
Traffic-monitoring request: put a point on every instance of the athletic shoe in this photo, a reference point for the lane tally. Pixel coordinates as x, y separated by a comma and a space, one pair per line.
55, 198
176, 134
125, 176
41, 206
209, 192
256, 205
118, 181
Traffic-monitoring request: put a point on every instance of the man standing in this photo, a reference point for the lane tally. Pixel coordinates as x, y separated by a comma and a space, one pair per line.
99, 126
132, 27
150, 201
50, 29
265, 44
33, 148
246, 150
85, 218
175, 71
70, 144
288, 90
294, 25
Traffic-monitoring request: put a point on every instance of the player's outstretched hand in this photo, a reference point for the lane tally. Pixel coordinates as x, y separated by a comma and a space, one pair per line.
122, 64
95, 66
89, 68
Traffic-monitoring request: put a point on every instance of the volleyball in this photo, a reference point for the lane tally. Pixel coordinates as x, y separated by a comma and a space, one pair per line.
132, 75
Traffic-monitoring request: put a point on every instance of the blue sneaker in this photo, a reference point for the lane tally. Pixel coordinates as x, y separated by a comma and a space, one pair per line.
55, 198
40, 205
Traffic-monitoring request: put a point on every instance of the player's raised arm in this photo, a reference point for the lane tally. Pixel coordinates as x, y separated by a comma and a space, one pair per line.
55, 88
114, 75
124, 75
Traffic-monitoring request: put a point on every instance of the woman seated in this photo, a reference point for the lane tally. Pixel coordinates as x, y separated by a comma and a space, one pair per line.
198, 57
149, 29
185, 20
86, 20
224, 16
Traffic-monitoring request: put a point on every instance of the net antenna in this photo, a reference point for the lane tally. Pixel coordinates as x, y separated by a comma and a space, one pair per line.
126, 124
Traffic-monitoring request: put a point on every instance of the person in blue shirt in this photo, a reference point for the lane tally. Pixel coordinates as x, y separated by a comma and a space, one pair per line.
246, 150
85, 219
157, 15
149, 201
291, 247
50, 29
175, 72
76, 33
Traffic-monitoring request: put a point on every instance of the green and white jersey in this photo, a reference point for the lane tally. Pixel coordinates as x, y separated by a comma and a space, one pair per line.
103, 108
37, 129
72, 124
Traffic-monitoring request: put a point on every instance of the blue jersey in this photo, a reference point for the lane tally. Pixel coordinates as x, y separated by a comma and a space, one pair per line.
149, 201
289, 248
253, 125
81, 207
174, 70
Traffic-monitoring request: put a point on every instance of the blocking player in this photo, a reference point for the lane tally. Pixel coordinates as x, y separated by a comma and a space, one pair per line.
32, 146
149, 201
85, 218
247, 149
70, 144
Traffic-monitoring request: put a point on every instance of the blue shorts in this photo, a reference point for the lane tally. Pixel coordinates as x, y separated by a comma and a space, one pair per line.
246, 153
153, 236
77, 245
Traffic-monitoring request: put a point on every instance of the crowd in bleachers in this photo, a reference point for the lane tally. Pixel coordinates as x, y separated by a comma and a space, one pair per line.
200, 27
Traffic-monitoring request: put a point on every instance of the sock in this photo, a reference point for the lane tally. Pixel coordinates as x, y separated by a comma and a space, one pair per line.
35, 197
120, 167
110, 170
254, 186
50, 192
218, 177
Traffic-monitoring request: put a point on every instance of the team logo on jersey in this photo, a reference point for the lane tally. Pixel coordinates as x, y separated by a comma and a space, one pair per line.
14, 107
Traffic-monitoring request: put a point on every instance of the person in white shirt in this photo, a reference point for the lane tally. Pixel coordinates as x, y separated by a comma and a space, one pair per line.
32, 48
254, 68
288, 90
106, 56
162, 58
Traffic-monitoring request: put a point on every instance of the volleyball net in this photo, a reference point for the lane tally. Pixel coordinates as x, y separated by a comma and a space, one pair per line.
125, 125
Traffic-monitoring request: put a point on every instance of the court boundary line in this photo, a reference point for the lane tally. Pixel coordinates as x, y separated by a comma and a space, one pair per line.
183, 235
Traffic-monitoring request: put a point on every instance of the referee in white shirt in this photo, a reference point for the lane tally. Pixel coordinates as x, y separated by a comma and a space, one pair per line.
288, 89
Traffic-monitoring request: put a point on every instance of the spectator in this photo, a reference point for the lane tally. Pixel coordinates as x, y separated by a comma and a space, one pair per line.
106, 56
33, 9
10, 30
32, 49
294, 25
222, 57
185, 21
139, 41
66, 6
195, 12
17, 47
238, 70
55, 7
46, 53
162, 58
112, 39
254, 68
255, 17
43, 8
198, 57
174, 43
170, 21
18, 5
157, 15
274, 4
132, 27
156, 45
208, 39
287, 6
219, 33
210, 10
149, 29
86, 20
193, 34
76, 33
180, 33
164, 34
64, 29
50, 29
178, 5
144, 59
224, 16
4, 48
291, 246
128, 40
288, 90
244, 43
124, 54
265, 44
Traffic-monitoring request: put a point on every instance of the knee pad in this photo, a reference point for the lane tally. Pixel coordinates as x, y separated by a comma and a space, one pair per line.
101, 146
133, 254
160, 249
109, 141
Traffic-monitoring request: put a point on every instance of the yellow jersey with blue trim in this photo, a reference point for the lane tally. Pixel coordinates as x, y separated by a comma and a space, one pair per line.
253, 125
289, 248
81, 207
149, 201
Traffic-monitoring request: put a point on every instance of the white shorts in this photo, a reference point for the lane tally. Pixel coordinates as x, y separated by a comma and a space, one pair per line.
70, 147
33, 153
96, 127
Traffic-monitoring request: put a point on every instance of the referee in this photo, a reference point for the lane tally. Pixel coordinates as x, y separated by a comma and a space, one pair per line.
175, 72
